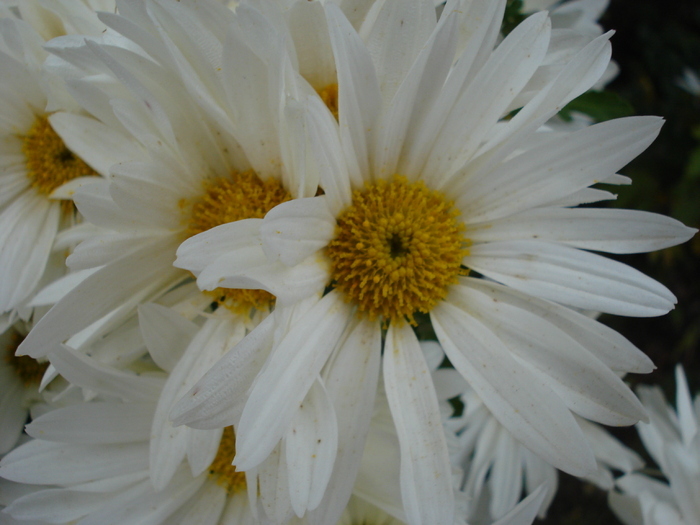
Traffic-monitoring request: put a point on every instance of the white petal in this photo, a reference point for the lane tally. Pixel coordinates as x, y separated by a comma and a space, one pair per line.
311, 446
426, 476
296, 229
351, 381
207, 507
250, 269
94, 142
97, 295
479, 26
603, 342
95, 423
29, 225
599, 229
359, 98
313, 152
168, 443
219, 395
197, 252
394, 32
487, 97
415, 96
684, 404
585, 384
526, 511
280, 388
54, 506
88, 373
522, 403
166, 333
570, 276
557, 168
71, 464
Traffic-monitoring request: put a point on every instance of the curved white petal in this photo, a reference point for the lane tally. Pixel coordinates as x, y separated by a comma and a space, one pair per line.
294, 230
522, 403
426, 474
600, 229
359, 96
311, 445
284, 382
585, 384
570, 276
217, 397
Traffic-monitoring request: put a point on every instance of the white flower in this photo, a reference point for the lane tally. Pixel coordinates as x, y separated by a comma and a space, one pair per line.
173, 172
671, 438
90, 462
424, 178
35, 162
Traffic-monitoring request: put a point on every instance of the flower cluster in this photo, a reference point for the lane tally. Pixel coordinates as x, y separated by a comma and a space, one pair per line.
221, 224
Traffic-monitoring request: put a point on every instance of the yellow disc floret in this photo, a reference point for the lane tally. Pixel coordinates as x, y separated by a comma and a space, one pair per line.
221, 468
329, 95
50, 163
240, 196
397, 249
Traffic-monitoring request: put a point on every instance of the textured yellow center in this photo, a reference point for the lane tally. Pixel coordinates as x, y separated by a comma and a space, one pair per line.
221, 468
50, 163
397, 249
329, 95
241, 196
29, 370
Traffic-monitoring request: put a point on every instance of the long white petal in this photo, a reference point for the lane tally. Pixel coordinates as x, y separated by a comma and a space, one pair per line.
524, 405
139, 273
585, 384
280, 388
600, 229
570, 276
311, 445
426, 476
351, 381
359, 97
220, 394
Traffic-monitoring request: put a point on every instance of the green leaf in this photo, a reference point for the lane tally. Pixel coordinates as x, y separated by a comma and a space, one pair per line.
599, 105
513, 16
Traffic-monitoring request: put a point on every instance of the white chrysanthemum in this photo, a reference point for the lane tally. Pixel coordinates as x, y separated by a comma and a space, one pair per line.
36, 157
174, 172
671, 438
426, 179
90, 462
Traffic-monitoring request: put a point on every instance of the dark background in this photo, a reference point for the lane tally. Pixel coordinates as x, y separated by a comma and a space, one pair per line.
653, 43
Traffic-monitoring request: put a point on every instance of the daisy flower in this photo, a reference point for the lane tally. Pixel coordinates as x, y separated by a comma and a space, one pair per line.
98, 467
428, 176
174, 172
671, 438
35, 160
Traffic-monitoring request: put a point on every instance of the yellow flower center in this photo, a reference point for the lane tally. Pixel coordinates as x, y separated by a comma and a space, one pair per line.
329, 95
50, 163
397, 249
241, 196
29, 370
221, 468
